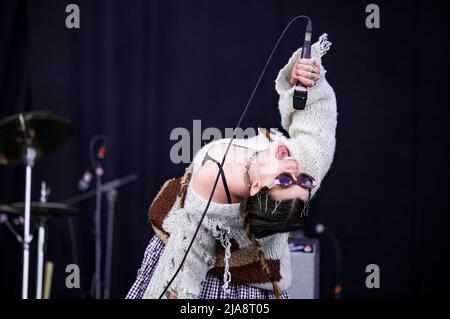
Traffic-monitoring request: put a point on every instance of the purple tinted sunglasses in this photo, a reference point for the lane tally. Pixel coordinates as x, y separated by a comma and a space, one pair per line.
286, 180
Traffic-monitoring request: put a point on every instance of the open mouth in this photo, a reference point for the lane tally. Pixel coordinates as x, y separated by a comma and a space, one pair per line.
283, 152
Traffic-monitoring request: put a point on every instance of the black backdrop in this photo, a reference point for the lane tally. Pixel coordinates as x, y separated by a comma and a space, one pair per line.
136, 70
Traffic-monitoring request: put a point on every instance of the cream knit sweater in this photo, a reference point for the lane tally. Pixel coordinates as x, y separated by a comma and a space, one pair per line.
312, 142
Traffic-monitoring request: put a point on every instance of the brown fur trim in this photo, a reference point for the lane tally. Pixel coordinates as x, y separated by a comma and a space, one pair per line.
251, 273
162, 235
184, 184
245, 266
162, 204
239, 257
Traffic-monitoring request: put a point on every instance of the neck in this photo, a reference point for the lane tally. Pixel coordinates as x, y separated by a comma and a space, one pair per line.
239, 189
236, 183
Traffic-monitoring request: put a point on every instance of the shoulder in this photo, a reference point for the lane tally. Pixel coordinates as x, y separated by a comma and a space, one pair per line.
200, 154
203, 183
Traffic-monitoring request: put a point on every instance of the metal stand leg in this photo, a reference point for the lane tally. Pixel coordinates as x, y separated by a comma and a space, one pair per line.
40, 259
30, 156
111, 197
98, 234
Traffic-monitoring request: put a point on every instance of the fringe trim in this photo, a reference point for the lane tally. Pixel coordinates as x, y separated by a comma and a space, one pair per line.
324, 45
222, 233
276, 290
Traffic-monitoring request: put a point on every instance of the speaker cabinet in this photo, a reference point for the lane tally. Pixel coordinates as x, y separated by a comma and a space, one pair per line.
305, 257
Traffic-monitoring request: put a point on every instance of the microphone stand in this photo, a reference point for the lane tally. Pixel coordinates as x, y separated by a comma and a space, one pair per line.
119, 182
110, 189
98, 231
111, 198
321, 229
337, 249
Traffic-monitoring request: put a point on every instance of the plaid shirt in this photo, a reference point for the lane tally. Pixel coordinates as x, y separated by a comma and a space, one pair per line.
211, 287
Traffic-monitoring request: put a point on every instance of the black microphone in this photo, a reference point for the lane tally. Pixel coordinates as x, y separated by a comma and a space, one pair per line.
301, 92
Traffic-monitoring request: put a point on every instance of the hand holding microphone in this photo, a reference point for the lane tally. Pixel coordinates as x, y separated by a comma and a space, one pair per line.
305, 72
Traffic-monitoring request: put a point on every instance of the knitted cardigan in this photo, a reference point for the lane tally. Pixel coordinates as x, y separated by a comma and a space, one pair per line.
174, 219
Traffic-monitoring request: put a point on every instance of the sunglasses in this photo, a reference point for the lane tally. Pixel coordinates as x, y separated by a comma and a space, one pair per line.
286, 180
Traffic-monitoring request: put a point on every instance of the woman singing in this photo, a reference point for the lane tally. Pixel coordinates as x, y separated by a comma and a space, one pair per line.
265, 186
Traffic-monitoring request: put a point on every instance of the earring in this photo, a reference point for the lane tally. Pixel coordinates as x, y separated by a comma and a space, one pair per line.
276, 206
259, 200
267, 195
304, 212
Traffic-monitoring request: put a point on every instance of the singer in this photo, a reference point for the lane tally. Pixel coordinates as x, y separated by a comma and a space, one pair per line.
265, 186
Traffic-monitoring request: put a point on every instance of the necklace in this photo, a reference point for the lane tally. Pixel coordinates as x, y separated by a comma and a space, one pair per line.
250, 162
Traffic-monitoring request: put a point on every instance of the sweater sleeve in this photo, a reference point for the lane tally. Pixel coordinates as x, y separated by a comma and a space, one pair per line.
312, 130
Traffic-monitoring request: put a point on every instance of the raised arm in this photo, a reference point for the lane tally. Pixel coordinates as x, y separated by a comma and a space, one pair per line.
312, 130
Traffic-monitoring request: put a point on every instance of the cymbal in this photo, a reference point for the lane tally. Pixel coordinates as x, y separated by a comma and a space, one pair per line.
43, 130
39, 209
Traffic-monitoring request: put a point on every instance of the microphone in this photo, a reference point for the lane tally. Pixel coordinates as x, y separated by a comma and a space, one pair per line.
100, 156
301, 92
85, 182
101, 152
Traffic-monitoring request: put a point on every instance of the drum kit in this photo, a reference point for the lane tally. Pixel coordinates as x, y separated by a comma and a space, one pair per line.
24, 139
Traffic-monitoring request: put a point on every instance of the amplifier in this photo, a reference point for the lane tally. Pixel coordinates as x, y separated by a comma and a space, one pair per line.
305, 260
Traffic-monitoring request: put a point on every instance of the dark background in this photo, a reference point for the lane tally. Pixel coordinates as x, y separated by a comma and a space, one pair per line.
136, 70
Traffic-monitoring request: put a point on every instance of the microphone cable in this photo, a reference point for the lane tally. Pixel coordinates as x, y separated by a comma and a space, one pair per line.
229, 145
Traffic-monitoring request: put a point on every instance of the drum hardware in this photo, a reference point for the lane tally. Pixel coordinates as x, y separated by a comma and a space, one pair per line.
41, 212
26, 137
